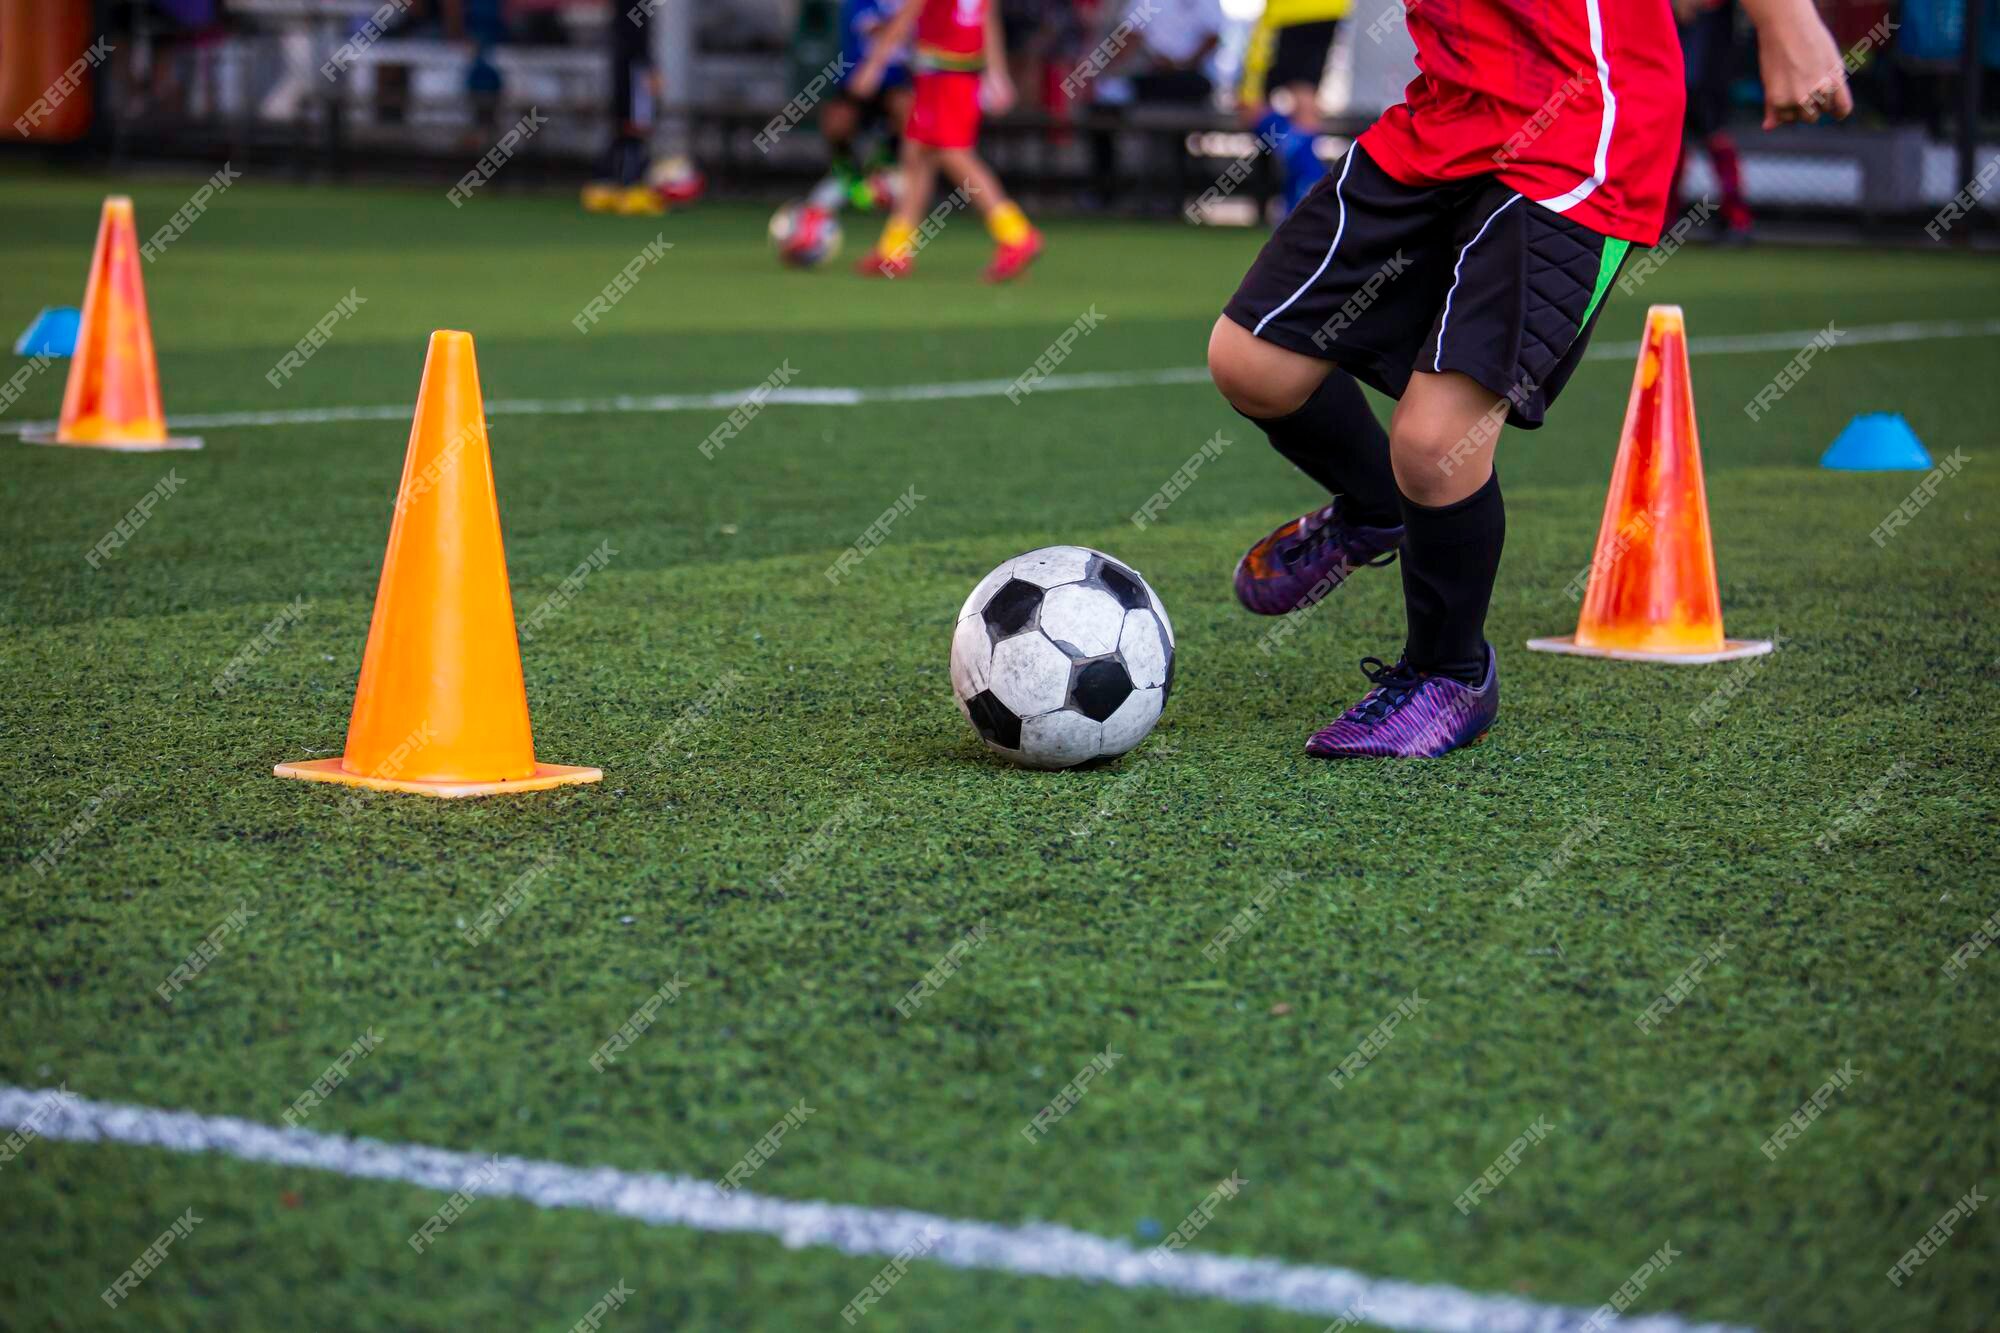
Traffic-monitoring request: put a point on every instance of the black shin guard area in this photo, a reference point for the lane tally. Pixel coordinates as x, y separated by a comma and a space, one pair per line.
1450, 557
1336, 440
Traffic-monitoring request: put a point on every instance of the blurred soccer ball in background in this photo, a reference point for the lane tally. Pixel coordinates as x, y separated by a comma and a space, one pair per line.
676, 180
1061, 656
805, 236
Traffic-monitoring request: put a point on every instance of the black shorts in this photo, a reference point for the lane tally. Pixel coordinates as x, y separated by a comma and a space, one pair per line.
1385, 278
875, 110
1301, 53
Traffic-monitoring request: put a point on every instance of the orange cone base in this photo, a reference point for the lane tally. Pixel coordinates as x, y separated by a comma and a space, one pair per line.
115, 446
544, 777
1731, 650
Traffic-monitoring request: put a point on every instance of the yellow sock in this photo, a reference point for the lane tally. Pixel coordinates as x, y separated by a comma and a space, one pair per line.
1008, 224
895, 242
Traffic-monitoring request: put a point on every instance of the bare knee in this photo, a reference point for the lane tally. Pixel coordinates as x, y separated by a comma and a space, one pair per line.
1260, 380
1425, 460
1441, 440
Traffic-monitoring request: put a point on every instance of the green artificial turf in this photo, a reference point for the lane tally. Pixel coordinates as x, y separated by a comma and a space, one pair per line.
1644, 823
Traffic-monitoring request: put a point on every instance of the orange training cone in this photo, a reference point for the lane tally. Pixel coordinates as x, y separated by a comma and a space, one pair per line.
1652, 595
441, 707
113, 397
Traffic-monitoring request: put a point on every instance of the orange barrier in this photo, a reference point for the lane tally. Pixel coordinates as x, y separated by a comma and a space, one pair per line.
1652, 595
112, 399
441, 707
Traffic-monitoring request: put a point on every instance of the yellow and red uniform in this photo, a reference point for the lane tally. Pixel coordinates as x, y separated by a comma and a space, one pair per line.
951, 53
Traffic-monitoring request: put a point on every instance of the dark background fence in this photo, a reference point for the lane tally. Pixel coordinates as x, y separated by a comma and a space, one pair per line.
263, 83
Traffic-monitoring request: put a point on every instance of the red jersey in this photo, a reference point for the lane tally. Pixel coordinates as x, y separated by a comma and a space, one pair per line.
951, 35
1577, 104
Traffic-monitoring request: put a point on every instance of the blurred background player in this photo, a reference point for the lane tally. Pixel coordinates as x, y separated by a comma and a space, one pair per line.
1282, 71
621, 185
1708, 46
863, 134
961, 63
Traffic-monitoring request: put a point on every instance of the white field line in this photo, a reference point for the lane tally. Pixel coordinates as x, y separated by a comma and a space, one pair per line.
1039, 1250
1785, 341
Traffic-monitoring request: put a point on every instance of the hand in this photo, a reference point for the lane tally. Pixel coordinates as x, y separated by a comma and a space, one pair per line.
1802, 70
999, 92
867, 80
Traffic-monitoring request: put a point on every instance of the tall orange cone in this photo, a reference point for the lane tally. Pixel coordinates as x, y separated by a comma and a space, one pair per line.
1652, 595
441, 707
113, 397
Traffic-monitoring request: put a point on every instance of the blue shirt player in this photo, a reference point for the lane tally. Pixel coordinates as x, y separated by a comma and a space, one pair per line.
861, 133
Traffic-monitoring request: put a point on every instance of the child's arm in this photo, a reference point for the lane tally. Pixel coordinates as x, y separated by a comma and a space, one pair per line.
1802, 68
890, 38
999, 83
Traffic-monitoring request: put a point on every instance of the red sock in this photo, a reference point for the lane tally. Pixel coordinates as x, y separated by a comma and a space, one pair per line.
1729, 176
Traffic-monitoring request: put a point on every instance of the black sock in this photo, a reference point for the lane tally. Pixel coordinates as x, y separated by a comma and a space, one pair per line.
1336, 440
1450, 557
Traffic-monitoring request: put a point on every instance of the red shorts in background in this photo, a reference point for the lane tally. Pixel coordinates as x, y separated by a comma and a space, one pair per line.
945, 113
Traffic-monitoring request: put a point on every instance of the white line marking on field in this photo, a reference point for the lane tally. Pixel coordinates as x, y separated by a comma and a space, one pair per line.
1904, 331
1788, 340
1039, 1249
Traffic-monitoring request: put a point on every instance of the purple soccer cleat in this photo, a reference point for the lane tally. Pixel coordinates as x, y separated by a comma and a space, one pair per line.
1410, 715
1308, 558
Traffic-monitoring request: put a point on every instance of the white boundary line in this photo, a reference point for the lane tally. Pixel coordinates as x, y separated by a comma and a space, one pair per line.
1039, 1249
1788, 340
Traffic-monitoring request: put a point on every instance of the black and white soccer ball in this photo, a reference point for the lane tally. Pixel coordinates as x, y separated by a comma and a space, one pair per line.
1061, 656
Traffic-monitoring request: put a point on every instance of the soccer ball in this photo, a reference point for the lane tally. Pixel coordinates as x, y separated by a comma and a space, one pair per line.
677, 180
805, 236
1061, 656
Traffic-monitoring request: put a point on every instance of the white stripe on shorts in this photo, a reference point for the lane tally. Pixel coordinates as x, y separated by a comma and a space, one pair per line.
1340, 227
1437, 361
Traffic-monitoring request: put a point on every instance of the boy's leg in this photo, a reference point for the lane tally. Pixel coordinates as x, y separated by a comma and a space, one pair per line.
839, 124
1015, 240
1728, 167
1314, 415
988, 195
1469, 305
1432, 474
1299, 65
1344, 291
1317, 418
1304, 98
895, 116
1441, 442
896, 108
919, 178
1445, 692
1526, 288
919, 173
